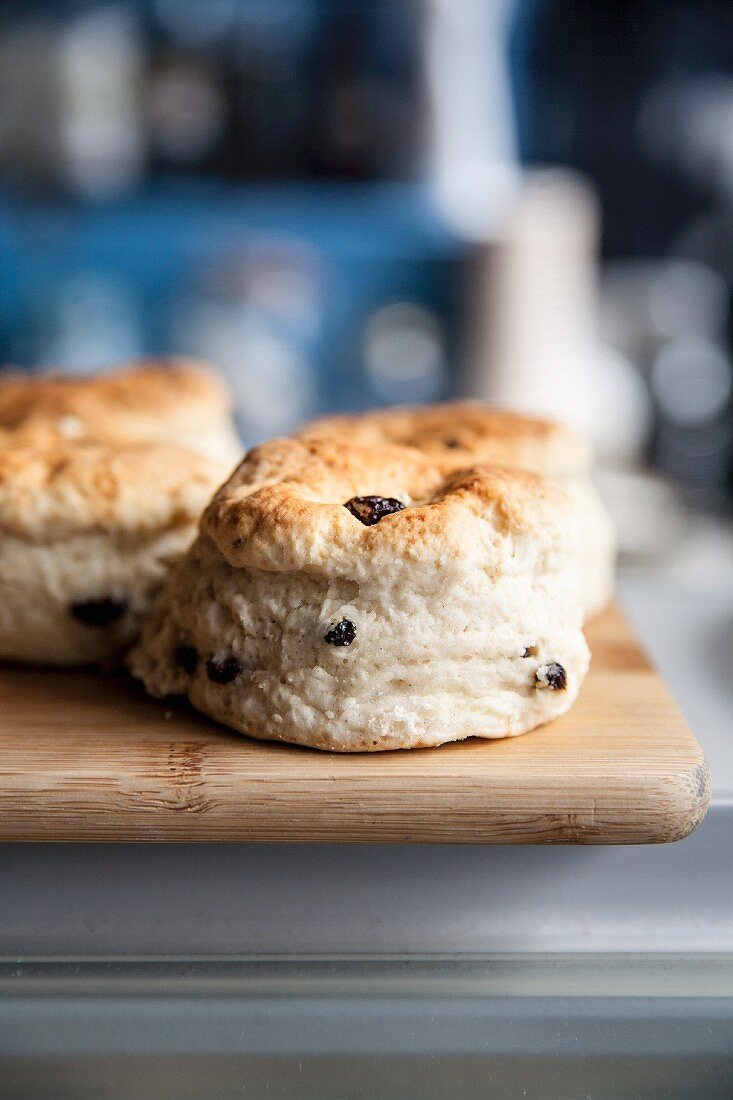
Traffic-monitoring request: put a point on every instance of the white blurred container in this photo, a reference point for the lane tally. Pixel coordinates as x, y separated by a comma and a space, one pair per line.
534, 319
536, 302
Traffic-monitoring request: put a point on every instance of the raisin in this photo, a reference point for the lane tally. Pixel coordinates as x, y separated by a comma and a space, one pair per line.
369, 510
98, 612
187, 658
452, 444
552, 676
342, 633
224, 672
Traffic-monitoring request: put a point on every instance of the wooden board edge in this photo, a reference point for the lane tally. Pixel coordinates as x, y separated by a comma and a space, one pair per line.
690, 797
694, 796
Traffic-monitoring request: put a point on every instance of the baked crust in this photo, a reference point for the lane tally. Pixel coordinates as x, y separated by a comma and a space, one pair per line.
463, 433
51, 488
284, 510
149, 400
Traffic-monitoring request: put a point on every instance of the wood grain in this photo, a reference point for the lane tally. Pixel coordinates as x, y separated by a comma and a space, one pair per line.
87, 757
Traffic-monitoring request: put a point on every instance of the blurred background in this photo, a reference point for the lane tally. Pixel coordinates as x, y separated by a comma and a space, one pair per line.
346, 204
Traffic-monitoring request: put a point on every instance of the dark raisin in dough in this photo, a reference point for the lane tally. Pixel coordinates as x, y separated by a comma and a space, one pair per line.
224, 672
187, 658
369, 510
342, 633
553, 676
452, 444
98, 612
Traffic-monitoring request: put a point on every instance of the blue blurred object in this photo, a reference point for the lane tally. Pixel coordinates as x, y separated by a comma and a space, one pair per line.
310, 297
235, 179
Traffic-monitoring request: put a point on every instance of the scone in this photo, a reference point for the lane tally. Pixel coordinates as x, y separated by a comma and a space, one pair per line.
88, 533
176, 401
355, 599
466, 432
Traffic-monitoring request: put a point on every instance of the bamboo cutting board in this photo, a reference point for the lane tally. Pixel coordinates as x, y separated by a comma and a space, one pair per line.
87, 757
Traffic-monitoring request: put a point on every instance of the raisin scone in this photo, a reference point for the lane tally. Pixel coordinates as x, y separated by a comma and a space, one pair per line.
88, 533
466, 432
177, 401
356, 599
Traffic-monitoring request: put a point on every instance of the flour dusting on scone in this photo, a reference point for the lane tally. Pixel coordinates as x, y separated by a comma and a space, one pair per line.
361, 598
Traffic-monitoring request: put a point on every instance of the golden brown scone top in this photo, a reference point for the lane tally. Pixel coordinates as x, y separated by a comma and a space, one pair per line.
147, 400
462, 433
52, 488
290, 506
